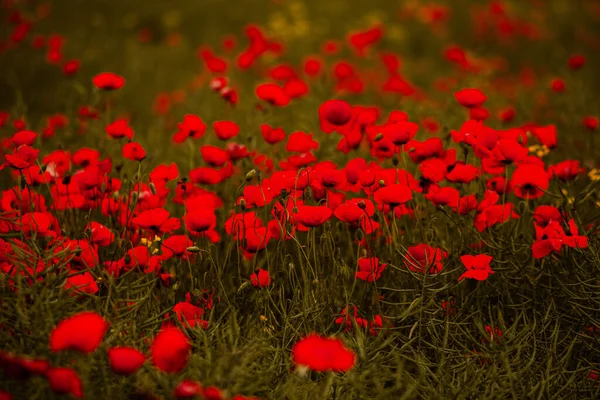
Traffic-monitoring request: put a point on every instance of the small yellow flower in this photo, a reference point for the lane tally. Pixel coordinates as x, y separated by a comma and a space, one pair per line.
263, 318
594, 174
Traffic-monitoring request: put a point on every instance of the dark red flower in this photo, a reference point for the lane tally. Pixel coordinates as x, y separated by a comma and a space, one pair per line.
424, 259
260, 278
125, 360
187, 389
170, 350
82, 332
336, 112
214, 156
565, 170
576, 61
190, 314
200, 220
65, 381
108, 81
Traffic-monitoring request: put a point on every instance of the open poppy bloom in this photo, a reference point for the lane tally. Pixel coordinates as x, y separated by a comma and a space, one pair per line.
65, 381
529, 181
478, 267
369, 269
260, 278
424, 259
470, 97
323, 354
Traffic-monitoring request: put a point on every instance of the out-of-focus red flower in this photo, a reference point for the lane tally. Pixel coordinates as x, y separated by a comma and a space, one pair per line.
82, 332
125, 360
170, 350
478, 267
260, 278
108, 81
323, 354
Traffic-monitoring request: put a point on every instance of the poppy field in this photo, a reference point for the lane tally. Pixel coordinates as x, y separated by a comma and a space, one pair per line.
286, 199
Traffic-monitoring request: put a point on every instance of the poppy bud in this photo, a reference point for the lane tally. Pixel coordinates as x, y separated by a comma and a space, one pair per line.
362, 205
308, 193
152, 188
243, 204
250, 175
193, 249
359, 235
381, 183
115, 195
134, 196
395, 160
378, 137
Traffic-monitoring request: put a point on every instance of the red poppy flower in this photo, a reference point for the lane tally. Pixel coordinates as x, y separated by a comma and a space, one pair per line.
401, 132
187, 389
272, 93
170, 350
22, 157
462, 173
23, 138
369, 269
323, 354
529, 181
478, 267
393, 195
191, 127
82, 332
335, 112
214, 156
576, 61
82, 283
108, 81
312, 216
156, 220
125, 360
361, 40
546, 135
100, 234
272, 135
353, 210
226, 130
260, 278
470, 97
190, 314
300, 142
590, 123
134, 151
565, 170
65, 381
423, 258
548, 239
119, 129
200, 220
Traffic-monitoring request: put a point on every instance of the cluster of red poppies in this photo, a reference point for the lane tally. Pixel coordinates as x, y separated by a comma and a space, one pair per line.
290, 187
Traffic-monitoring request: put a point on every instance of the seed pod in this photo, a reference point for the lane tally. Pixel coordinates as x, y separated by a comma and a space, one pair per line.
243, 204
362, 205
359, 235
152, 188
381, 183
